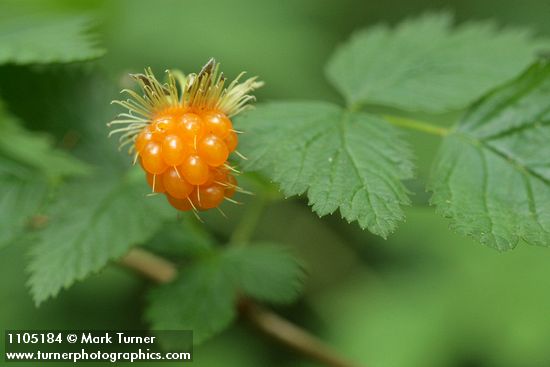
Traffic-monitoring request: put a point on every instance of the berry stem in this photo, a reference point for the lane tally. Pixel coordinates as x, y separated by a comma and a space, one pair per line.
245, 229
294, 337
417, 125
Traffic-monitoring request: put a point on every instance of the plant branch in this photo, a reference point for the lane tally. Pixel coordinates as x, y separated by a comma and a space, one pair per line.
294, 337
150, 265
291, 335
416, 125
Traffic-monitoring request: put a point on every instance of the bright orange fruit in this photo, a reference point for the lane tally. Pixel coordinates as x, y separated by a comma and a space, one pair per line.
183, 155
182, 134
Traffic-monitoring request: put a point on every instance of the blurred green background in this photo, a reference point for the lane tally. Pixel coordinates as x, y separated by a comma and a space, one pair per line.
424, 297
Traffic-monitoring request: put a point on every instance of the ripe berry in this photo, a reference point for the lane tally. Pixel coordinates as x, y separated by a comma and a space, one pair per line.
151, 158
213, 150
174, 150
182, 135
194, 170
155, 182
175, 184
180, 204
208, 197
191, 125
143, 138
163, 123
217, 123
231, 141
231, 187
219, 174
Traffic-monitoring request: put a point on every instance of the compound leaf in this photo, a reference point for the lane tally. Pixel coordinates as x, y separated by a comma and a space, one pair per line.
492, 175
426, 64
349, 161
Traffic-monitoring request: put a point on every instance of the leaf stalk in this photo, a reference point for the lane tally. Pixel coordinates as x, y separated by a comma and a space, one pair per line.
417, 125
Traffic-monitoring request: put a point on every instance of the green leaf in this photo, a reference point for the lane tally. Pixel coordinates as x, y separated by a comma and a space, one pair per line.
202, 299
492, 175
36, 149
23, 194
349, 161
28, 165
446, 297
90, 223
427, 64
268, 272
46, 38
181, 238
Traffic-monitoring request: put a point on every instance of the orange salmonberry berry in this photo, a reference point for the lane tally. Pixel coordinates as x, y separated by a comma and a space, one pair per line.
231, 186
155, 182
184, 163
163, 123
174, 150
191, 126
217, 123
213, 150
143, 138
180, 204
208, 197
231, 141
151, 158
182, 134
218, 175
175, 184
195, 170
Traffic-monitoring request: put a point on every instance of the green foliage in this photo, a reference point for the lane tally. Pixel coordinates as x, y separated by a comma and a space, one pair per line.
426, 64
181, 239
35, 150
45, 38
356, 162
440, 297
268, 272
203, 298
28, 166
22, 196
84, 218
492, 176
349, 161
91, 222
